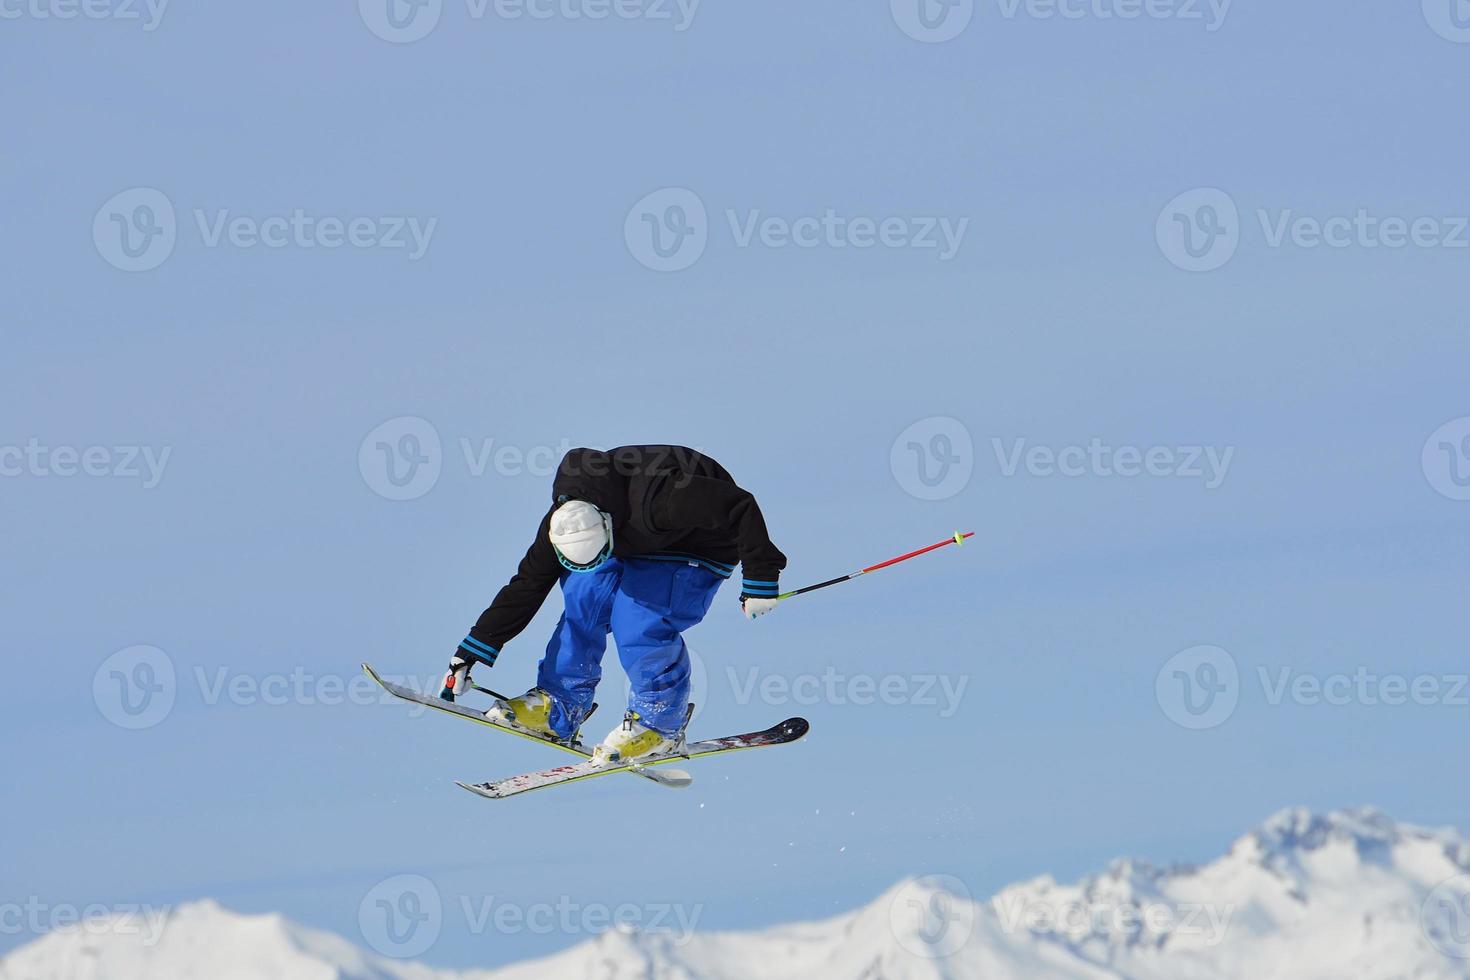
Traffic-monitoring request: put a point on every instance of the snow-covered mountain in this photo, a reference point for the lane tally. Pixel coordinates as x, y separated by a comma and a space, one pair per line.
1350, 895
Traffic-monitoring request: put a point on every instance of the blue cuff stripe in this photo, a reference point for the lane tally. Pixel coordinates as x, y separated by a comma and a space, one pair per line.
482, 650
754, 581
763, 593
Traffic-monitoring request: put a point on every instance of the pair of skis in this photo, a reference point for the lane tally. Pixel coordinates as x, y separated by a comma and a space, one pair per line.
787, 731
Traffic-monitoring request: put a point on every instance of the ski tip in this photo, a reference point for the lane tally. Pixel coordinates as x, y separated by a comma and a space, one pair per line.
794, 728
479, 789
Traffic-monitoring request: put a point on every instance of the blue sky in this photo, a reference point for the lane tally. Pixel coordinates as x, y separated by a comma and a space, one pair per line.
525, 152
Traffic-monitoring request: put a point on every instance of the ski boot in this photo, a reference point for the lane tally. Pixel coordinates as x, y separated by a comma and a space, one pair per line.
633, 740
531, 712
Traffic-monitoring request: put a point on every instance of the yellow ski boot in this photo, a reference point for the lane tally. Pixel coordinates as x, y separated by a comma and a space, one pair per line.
633, 740
530, 712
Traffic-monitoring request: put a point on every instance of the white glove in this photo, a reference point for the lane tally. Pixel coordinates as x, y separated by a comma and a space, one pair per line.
457, 678
755, 607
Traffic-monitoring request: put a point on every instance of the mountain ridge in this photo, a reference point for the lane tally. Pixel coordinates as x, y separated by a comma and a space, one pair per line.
1311, 896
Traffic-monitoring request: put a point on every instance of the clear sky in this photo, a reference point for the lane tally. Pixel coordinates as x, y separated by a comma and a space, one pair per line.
259, 547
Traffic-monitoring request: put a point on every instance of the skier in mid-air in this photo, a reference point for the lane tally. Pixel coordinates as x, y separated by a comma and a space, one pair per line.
640, 538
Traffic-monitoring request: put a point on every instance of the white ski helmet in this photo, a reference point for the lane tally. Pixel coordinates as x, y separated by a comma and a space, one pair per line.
581, 535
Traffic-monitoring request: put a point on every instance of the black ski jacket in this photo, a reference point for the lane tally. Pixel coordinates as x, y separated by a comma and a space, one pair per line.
666, 502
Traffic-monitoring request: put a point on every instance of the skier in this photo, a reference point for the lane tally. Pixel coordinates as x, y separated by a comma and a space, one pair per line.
640, 538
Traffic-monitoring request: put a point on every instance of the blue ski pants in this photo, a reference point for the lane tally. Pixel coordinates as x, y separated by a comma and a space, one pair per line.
646, 605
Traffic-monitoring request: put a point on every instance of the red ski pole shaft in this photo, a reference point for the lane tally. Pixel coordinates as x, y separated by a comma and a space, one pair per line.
957, 539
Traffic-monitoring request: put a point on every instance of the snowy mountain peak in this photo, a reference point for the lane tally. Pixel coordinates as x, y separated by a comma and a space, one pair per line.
1298, 828
1292, 837
1310, 896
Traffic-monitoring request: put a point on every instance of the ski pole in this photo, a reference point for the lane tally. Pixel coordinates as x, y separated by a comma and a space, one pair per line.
958, 539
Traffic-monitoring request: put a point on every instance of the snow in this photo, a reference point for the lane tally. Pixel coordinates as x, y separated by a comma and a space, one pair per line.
1303, 896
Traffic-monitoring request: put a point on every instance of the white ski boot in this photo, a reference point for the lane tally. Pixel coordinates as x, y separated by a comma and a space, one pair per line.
633, 740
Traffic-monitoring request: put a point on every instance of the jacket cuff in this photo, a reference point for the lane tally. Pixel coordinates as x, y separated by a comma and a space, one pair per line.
478, 650
759, 588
